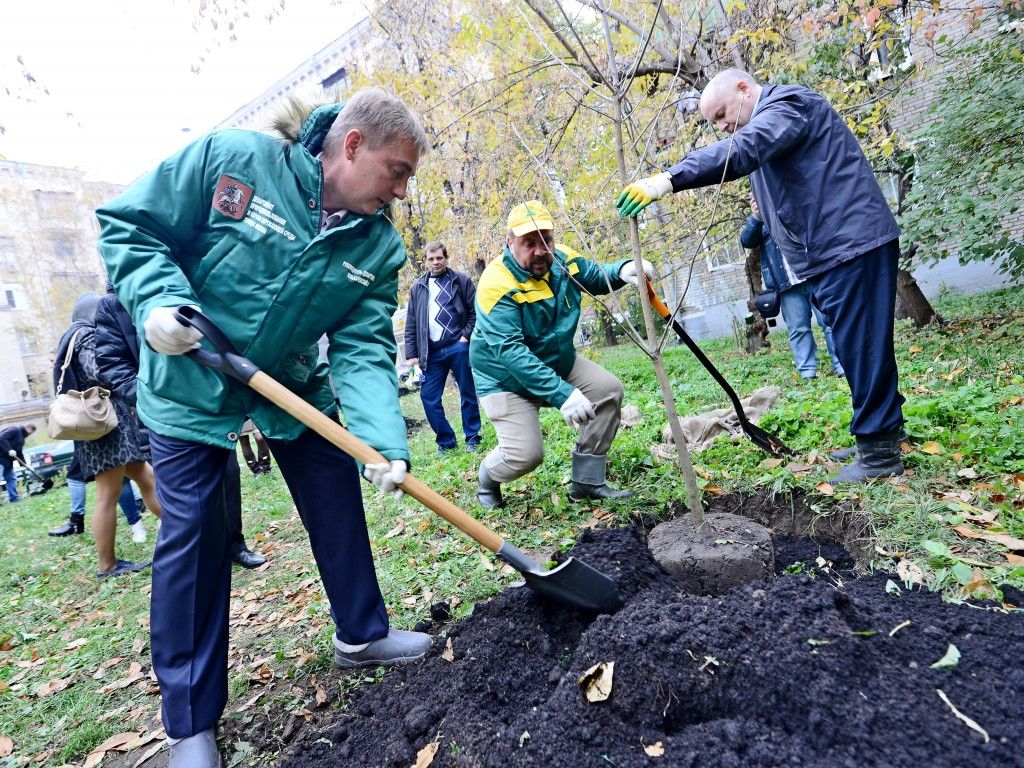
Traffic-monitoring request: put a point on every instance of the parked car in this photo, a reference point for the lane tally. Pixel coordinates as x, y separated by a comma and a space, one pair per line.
50, 459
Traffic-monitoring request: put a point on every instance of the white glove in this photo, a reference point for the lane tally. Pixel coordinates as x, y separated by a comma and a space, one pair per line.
13, 454
166, 335
628, 271
577, 410
387, 476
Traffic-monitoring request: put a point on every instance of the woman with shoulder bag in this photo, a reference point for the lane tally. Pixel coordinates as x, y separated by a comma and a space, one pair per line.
122, 451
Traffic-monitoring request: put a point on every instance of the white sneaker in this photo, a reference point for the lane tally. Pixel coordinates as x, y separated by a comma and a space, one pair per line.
138, 532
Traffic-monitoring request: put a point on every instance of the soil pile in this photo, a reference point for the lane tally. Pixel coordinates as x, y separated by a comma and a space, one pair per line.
809, 670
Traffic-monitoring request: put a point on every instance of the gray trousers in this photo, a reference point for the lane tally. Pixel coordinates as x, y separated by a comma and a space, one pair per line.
516, 419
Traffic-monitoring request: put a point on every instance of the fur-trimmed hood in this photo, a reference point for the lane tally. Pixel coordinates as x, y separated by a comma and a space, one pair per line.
306, 123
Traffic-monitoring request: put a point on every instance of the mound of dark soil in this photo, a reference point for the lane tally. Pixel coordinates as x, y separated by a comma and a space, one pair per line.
803, 670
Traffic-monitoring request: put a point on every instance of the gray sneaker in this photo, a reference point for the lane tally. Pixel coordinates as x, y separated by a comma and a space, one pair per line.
198, 751
399, 647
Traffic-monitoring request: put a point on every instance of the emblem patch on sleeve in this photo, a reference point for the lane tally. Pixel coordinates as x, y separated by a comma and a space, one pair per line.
232, 197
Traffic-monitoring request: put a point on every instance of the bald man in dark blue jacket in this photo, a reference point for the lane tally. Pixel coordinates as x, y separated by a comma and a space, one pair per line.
824, 209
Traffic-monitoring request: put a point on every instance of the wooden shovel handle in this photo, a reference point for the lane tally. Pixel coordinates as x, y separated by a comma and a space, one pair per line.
357, 449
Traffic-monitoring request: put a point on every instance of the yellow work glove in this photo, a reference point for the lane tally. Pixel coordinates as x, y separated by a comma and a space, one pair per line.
640, 194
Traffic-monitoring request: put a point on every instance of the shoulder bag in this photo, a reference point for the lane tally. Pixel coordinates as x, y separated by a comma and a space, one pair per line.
75, 415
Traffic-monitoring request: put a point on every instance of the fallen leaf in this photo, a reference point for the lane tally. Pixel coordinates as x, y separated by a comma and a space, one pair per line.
915, 349
115, 742
931, 448
949, 659
654, 750
1010, 542
426, 755
597, 681
767, 464
75, 644
796, 467
53, 686
148, 754
1012, 558
485, 561
714, 490
825, 488
6, 746
449, 652
909, 572
967, 473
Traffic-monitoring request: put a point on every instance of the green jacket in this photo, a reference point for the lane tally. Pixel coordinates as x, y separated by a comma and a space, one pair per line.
230, 224
523, 340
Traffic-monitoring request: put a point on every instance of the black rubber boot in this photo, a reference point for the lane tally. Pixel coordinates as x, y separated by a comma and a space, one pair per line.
489, 491
588, 479
848, 453
75, 524
877, 456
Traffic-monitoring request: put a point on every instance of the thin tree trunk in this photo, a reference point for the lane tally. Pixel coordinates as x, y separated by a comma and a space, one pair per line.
915, 303
757, 331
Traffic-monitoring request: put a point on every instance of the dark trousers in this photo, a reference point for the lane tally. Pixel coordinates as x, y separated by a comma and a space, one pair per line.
192, 565
858, 300
453, 358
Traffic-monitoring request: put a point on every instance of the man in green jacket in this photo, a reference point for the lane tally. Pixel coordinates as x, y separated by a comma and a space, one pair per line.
523, 356
278, 241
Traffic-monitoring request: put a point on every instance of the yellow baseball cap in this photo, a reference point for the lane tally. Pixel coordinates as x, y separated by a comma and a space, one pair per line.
529, 217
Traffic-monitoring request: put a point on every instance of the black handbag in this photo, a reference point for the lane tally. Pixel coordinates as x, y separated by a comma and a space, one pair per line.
768, 304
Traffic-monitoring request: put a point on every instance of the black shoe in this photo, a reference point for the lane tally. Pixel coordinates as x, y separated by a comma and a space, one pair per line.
254, 466
75, 524
446, 448
248, 559
263, 467
473, 447
122, 567
398, 647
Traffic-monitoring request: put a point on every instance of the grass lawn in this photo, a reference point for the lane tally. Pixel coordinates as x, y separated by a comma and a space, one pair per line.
74, 652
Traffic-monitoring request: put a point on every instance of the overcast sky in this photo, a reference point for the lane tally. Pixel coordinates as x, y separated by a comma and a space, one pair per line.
122, 94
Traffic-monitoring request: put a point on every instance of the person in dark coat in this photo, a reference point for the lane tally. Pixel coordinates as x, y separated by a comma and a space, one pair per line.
117, 354
123, 450
824, 209
12, 443
438, 327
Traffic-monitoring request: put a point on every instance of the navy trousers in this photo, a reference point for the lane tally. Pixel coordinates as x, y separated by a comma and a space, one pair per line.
192, 565
453, 358
858, 300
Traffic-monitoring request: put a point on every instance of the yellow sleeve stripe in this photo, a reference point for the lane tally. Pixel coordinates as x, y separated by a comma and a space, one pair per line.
497, 281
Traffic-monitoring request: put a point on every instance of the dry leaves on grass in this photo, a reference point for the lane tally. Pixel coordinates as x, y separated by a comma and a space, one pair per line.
117, 742
6, 746
1008, 541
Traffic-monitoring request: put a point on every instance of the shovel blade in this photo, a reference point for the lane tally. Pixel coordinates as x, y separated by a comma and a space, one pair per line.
766, 441
573, 583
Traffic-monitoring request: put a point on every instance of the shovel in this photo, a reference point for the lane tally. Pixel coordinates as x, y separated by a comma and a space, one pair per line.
763, 439
573, 583
45, 484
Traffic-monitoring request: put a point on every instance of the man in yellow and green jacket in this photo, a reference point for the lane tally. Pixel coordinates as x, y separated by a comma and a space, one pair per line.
278, 241
523, 356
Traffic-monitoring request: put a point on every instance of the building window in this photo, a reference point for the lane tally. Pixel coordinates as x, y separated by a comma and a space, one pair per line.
65, 246
339, 77
724, 252
26, 342
9, 299
8, 255
55, 205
